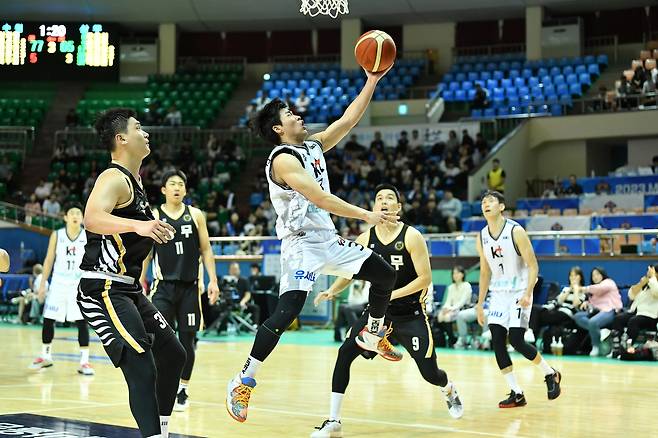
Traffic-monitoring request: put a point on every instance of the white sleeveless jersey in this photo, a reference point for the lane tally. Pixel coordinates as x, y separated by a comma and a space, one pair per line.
509, 273
68, 256
294, 212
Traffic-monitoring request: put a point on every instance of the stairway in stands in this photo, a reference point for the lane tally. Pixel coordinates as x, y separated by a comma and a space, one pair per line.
37, 163
236, 106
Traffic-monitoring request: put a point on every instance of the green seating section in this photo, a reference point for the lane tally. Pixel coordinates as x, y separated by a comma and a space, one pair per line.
24, 104
99, 97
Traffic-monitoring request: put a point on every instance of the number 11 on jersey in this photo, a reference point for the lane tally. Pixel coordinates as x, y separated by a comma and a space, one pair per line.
179, 248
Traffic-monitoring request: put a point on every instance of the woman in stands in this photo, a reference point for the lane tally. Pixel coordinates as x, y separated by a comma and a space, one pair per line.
600, 309
458, 295
643, 314
558, 313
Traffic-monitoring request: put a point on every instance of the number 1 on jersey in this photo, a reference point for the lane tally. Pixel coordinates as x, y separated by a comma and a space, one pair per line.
502, 268
179, 248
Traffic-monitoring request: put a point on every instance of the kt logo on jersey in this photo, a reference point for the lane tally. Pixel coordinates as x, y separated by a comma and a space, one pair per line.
497, 252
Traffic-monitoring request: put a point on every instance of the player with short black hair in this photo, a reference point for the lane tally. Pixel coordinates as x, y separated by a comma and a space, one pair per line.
178, 281
296, 173
405, 248
508, 271
120, 234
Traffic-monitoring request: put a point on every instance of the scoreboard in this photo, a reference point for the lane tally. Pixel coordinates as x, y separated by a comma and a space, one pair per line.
60, 51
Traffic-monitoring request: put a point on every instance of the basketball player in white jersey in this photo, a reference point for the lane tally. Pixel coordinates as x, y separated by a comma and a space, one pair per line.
65, 250
508, 270
299, 190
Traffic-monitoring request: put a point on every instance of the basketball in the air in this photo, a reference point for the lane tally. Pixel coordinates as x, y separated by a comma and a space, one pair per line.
375, 51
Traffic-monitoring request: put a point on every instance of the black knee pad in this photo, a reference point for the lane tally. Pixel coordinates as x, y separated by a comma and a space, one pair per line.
379, 273
48, 331
287, 309
516, 337
83, 333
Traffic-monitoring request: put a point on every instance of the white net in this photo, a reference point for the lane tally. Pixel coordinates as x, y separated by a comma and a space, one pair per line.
325, 7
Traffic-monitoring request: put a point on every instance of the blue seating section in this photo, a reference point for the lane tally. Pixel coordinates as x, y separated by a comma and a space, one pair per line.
331, 90
518, 86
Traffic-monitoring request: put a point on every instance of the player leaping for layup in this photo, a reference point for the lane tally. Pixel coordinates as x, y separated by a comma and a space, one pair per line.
508, 268
299, 189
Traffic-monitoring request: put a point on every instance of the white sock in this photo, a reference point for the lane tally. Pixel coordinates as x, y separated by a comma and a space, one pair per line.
182, 386
511, 381
46, 351
545, 367
84, 356
336, 403
250, 368
375, 324
164, 426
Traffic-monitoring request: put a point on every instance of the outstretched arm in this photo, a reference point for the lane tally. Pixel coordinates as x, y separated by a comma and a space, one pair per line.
341, 127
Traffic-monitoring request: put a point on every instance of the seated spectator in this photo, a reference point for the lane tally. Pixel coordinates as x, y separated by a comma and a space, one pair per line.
377, 144
32, 208
451, 210
173, 117
415, 142
71, 118
558, 313
602, 188
467, 140
480, 101
452, 143
349, 312
52, 206
250, 111
638, 78
403, 143
573, 188
241, 295
643, 314
458, 295
466, 317
603, 302
353, 146
152, 116
481, 144
649, 88
429, 216
89, 184
601, 103
625, 89
43, 190
302, 103
29, 307
549, 192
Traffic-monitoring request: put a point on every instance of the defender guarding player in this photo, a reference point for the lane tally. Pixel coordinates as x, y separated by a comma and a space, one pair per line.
299, 190
176, 290
406, 249
120, 234
65, 250
508, 269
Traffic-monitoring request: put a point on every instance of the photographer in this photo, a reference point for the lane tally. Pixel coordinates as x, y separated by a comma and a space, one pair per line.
240, 293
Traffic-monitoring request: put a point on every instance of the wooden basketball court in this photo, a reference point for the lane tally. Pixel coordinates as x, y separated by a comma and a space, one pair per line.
601, 397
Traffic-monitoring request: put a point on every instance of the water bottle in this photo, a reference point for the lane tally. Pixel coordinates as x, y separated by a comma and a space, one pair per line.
559, 346
231, 330
554, 346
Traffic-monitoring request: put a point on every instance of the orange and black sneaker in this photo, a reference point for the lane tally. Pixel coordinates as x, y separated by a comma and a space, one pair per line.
378, 343
238, 393
513, 401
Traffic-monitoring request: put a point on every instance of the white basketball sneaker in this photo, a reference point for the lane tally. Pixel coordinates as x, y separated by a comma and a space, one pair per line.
455, 407
86, 370
40, 362
329, 429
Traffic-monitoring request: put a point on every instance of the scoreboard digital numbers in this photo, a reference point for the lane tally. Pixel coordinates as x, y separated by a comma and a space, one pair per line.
58, 51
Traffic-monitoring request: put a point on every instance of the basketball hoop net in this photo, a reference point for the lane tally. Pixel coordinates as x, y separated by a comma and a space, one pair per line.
324, 7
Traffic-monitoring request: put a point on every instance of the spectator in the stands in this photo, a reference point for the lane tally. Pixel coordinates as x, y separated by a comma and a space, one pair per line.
465, 159
496, 177
173, 117
43, 190
226, 199
451, 210
6, 172
430, 216
480, 101
649, 92
377, 144
625, 89
458, 295
152, 116
403, 143
549, 192
481, 144
654, 164
89, 184
32, 208
302, 103
603, 302
52, 206
452, 143
415, 142
250, 111
234, 225
638, 78
353, 146
602, 188
73, 152
573, 188
467, 140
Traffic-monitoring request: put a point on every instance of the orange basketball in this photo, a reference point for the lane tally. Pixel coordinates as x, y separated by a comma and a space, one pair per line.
375, 51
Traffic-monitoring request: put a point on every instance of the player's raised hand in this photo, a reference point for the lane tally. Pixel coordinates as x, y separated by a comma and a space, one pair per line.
157, 230
378, 75
323, 296
213, 293
382, 218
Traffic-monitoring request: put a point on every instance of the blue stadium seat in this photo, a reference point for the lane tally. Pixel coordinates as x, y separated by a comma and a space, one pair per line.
511, 92
593, 69
580, 69
555, 71
515, 65
602, 60
572, 79
470, 94
489, 112
268, 85
533, 82
526, 73
515, 110
538, 100
506, 83
491, 84
485, 75
498, 93
460, 77
576, 89
524, 91
454, 86
589, 59
473, 76
503, 111
498, 102
565, 99
519, 82
536, 91
585, 79
556, 109
460, 95
504, 66
568, 70
549, 89
513, 101
525, 100
467, 85
498, 75
542, 72
546, 80
476, 113
513, 74
448, 77
551, 98
558, 80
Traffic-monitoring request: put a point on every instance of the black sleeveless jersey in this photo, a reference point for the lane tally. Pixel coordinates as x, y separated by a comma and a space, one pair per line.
178, 259
398, 256
121, 254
